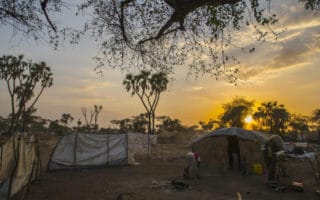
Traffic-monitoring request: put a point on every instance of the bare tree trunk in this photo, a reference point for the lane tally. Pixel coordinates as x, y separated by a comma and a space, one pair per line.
149, 133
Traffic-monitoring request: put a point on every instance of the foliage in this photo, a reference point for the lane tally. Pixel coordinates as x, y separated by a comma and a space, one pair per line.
134, 124
299, 124
210, 125
168, 124
4, 124
163, 34
235, 112
26, 82
66, 119
32, 18
108, 131
315, 118
39, 125
148, 88
56, 127
272, 116
159, 34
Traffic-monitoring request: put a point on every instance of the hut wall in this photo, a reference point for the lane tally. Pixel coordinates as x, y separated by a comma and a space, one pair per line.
253, 153
213, 152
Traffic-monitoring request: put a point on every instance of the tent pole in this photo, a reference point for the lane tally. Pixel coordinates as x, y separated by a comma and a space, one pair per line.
108, 153
52, 152
127, 149
75, 152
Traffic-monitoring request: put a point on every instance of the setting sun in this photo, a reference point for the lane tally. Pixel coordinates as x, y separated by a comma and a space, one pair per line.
248, 119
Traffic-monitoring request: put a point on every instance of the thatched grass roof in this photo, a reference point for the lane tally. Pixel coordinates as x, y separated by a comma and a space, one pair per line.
239, 132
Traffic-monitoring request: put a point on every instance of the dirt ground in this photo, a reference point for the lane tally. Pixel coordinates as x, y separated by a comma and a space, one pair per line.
135, 182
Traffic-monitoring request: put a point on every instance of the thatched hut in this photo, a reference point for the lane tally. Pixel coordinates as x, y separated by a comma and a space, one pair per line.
219, 148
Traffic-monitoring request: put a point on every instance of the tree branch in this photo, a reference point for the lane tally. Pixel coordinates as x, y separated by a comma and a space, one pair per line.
44, 10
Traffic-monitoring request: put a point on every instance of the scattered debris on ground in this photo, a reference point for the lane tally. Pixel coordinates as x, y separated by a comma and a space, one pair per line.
174, 185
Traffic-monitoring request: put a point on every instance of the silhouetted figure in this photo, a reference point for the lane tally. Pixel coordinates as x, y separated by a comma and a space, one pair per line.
274, 144
192, 165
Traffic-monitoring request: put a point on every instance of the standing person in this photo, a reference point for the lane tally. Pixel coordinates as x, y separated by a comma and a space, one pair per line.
187, 173
192, 165
197, 159
273, 145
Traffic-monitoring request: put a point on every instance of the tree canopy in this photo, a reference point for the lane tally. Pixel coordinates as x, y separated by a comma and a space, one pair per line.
163, 34
273, 116
32, 18
148, 87
157, 34
25, 83
236, 111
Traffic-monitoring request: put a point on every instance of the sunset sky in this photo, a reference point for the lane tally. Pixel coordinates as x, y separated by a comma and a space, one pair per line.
286, 70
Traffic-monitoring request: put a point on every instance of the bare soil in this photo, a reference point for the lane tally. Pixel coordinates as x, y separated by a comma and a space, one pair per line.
166, 164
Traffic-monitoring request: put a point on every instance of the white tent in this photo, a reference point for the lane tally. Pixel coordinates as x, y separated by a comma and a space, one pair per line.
82, 150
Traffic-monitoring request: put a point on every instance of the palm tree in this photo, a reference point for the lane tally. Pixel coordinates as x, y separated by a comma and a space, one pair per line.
148, 88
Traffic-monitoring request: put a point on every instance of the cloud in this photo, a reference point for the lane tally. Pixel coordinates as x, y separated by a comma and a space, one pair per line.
197, 88
89, 86
298, 48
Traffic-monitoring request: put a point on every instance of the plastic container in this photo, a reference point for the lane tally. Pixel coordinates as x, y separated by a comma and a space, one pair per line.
257, 168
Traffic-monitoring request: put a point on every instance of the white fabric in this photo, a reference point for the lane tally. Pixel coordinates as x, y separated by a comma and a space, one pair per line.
64, 151
82, 149
27, 158
117, 147
86, 150
26, 165
137, 144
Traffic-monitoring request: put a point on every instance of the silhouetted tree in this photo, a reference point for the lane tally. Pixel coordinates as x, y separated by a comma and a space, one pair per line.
236, 111
140, 123
161, 33
273, 116
122, 125
32, 18
315, 118
166, 33
135, 124
148, 88
210, 125
66, 120
26, 82
168, 124
299, 124
56, 127
92, 119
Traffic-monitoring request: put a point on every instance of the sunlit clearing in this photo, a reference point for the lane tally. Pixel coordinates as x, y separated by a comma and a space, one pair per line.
248, 119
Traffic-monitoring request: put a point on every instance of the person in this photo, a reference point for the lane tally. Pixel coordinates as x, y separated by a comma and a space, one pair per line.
197, 159
273, 145
192, 165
